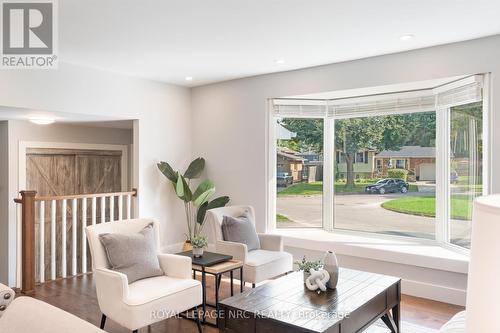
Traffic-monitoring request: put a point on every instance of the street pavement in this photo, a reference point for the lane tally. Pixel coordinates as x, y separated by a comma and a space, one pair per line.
363, 212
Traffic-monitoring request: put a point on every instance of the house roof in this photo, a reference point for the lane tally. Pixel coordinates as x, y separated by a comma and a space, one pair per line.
288, 155
409, 151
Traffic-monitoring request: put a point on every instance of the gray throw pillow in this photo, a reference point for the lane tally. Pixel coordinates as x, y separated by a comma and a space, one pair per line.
134, 255
240, 230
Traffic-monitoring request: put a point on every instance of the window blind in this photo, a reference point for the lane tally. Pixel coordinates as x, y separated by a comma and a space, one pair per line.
464, 91
460, 95
300, 109
384, 107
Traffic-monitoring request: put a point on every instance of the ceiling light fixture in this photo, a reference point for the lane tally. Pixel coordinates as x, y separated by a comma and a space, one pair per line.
42, 121
406, 37
279, 61
189, 78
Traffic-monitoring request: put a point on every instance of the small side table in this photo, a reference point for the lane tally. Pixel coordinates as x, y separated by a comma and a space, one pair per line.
215, 264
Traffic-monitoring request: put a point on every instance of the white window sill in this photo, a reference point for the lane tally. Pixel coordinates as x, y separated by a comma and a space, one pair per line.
403, 251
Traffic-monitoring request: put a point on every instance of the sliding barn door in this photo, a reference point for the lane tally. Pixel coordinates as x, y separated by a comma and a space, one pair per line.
54, 172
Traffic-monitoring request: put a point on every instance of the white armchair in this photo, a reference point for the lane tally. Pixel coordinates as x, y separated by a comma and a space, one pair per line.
145, 301
267, 262
26, 315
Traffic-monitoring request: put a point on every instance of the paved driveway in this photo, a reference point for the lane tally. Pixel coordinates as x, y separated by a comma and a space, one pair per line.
361, 212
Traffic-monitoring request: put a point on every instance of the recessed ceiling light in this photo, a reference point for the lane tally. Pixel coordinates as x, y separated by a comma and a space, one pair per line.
406, 37
189, 78
279, 61
42, 120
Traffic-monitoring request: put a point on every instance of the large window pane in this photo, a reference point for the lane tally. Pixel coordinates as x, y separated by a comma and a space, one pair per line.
299, 169
466, 176
385, 174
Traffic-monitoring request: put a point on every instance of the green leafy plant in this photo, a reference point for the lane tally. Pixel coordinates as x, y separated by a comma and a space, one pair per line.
197, 202
306, 266
398, 173
199, 242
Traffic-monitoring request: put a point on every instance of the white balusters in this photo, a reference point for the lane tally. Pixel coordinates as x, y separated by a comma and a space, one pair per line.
59, 240
53, 240
103, 209
84, 238
129, 206
111, 208
63, 238
120, 207
74, 223
94, 210
41, 241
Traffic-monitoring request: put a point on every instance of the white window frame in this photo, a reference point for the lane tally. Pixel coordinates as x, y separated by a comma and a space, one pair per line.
442, 232
362, 157
396, 160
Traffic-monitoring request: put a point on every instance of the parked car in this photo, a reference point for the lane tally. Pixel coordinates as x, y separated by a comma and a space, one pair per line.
388, 185
284, 179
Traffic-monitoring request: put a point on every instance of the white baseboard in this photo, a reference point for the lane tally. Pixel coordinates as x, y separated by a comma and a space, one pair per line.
434, 292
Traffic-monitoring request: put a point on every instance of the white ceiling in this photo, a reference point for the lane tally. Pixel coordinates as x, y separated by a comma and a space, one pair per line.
215, 40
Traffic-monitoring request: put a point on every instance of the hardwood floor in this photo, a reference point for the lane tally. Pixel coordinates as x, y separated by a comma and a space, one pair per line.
77, 296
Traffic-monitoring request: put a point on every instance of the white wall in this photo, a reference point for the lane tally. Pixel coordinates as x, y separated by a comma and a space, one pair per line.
4, 200
229, 118
163, 126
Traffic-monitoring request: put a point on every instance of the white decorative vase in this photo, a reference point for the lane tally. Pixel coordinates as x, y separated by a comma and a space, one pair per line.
331, 265
197, 252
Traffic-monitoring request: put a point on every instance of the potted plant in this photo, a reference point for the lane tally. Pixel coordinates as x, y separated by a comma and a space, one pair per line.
197, 202
198, 243
305, 266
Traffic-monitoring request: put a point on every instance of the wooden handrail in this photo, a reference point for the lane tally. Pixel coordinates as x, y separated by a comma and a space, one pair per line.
83, 196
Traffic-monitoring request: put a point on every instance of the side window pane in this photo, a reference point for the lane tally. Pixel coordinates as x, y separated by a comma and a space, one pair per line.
299, 156
466, 174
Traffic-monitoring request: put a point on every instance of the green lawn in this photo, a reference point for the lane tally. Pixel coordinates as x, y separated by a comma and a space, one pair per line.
461, 207
316, 188
303, 189
282, 218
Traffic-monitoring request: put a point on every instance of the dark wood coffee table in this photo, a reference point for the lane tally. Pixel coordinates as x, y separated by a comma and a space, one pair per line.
285, 305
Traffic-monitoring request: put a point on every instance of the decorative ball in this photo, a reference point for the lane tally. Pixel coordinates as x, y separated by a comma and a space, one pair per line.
317, 279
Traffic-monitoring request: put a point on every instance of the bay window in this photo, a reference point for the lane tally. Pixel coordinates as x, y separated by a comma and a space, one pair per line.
404, 164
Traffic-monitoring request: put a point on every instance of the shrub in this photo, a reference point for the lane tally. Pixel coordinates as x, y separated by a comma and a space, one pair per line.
398, 173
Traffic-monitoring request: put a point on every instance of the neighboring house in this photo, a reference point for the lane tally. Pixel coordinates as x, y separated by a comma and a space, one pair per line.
288, 161
313, 166
419, 161
363, 164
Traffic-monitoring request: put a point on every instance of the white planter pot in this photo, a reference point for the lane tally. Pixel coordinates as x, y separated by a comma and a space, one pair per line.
306, 275
197, 252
